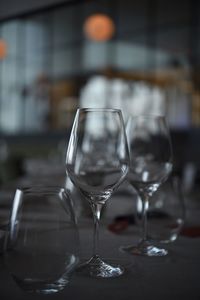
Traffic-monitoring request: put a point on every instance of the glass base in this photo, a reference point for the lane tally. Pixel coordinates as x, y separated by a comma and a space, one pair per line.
41, 286
96, 267
144, 248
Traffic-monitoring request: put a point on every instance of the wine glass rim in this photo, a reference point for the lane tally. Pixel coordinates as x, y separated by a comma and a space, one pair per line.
99, 109
34, 189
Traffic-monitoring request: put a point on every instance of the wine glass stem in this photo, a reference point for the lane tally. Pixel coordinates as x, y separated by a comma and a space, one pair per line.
145, 205
96, 209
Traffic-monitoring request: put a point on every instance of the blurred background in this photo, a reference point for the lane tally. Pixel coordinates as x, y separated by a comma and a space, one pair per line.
55, 56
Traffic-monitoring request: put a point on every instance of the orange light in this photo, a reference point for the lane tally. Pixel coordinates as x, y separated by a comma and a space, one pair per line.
3, 49
99, 27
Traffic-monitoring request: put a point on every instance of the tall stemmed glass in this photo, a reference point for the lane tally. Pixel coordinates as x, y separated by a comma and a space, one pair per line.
151, 163
97, 161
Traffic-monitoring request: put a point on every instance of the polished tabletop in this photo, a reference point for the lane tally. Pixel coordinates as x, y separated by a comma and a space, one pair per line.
175, 276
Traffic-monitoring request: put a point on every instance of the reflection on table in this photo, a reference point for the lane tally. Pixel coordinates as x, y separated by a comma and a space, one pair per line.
172, 277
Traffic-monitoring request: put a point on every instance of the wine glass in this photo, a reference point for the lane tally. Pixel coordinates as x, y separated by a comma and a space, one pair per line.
43, 244
150, 165
97, 161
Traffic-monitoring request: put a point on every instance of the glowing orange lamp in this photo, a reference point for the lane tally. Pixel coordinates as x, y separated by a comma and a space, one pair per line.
99, 27
3, 49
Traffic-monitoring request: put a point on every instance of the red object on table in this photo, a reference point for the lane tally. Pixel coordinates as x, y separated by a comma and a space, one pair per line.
193, 231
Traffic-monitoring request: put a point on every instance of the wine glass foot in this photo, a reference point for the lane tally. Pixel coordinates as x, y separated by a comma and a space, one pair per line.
96, 267
145, 249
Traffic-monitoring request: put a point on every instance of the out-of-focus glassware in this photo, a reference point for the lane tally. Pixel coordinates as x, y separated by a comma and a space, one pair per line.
43, 245
97, 161
151, 163
166, 213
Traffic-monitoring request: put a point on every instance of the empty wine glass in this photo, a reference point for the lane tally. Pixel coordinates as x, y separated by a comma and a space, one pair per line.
151, 163
97, 161
43, 245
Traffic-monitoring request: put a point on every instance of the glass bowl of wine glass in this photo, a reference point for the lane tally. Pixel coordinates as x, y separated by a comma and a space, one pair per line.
43, 243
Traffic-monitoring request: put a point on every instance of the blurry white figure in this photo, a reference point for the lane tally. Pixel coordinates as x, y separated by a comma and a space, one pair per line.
179, 107
120, 96
147, 99
158, 101
132, 98
95, 93
100, 92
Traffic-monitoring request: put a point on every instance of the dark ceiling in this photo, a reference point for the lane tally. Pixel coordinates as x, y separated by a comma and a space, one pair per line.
172, 26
